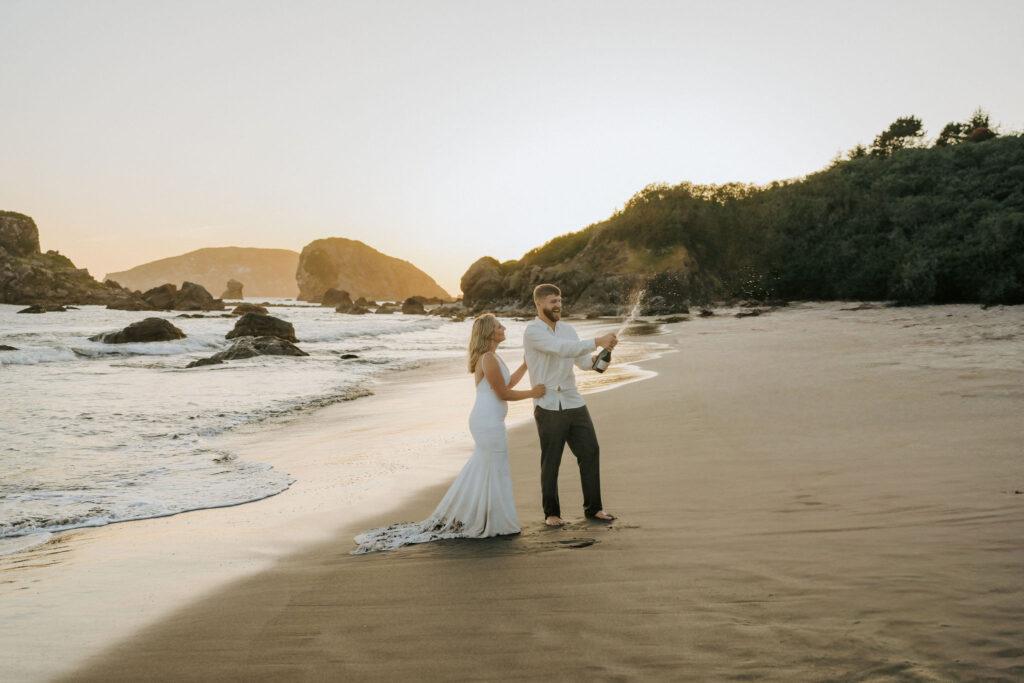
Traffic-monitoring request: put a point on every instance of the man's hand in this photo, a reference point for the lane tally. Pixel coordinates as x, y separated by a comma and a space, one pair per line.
607, 341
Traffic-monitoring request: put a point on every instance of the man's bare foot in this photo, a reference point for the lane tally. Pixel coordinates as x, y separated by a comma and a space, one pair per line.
604, 516
554, 520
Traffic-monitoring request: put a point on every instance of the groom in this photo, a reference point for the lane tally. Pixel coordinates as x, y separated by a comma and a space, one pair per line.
551, 349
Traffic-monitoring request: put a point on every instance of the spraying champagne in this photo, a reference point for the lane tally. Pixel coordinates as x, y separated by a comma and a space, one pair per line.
604, 359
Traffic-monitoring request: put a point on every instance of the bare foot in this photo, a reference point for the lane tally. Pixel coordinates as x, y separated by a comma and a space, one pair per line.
604, 516
554, 520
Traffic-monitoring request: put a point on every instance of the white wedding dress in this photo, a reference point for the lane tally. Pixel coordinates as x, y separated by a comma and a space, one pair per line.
480, 501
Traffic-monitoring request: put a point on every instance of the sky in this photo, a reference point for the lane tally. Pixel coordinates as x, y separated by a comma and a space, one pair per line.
441, 132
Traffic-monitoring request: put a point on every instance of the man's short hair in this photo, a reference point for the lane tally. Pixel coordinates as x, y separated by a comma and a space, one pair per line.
541, 291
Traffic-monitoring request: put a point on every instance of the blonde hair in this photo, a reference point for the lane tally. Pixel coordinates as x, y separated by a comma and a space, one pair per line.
480, 338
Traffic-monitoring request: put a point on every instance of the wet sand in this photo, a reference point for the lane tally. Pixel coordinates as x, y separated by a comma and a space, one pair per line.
813, 494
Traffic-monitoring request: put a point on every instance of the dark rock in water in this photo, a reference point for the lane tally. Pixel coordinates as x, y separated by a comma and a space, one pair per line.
161, 298
148, 330
243, 308
674, 319
336, 298
259, 325
204, 361
193, 297
347, 356
233, 291
412, 306
354, 309
748, 314
862, 307
706, 313
194, 315
361, 301
387, 309
43, 309
248, 347
5, 347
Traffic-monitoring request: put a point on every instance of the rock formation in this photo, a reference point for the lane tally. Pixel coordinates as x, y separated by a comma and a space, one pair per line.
148, 330
233, 291
36, 308
361, 271
413, 306
191, 297
28, 276
387, 309
336, 298
248, 347
266, 272
259, 325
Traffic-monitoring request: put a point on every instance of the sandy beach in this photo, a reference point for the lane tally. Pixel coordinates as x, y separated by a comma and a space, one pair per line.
812, 494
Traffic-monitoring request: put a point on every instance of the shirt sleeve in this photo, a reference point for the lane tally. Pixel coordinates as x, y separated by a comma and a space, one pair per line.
583, 361
543, 342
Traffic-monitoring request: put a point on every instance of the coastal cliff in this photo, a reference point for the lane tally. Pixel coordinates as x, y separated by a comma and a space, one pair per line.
263, 272
362, 271
899, 222
29, 276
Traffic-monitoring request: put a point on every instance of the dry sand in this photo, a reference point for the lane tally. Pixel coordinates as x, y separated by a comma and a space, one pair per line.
813, 494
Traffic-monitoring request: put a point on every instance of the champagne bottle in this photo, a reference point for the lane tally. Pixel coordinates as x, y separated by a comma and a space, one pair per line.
602, 360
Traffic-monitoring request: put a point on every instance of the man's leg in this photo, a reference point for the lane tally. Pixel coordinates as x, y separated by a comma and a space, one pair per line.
552, 428
582, 440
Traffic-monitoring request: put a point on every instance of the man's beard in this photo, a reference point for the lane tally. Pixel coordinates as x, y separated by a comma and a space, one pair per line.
551, 315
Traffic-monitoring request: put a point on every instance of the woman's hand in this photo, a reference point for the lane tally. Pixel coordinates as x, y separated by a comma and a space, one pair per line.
538, 391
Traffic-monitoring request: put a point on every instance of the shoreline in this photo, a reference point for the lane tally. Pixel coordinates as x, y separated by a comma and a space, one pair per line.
120, 577
817, 495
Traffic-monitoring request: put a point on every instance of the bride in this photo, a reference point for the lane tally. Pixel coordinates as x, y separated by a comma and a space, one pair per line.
480, 502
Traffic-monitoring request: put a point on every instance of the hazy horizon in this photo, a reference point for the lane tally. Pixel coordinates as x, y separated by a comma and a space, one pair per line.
440, 132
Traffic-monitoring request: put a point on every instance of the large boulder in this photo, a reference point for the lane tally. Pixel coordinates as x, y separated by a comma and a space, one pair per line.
193, 297
336, 298
233, 291
482, 283
259, 325
248, 347
354, 267
161, 298
148, 330
413, 306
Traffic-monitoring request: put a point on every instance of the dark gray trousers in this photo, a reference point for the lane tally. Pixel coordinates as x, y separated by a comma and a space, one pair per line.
574, 427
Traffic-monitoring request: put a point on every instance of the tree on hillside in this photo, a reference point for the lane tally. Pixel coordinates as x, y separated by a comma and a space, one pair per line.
906, 131
975, 129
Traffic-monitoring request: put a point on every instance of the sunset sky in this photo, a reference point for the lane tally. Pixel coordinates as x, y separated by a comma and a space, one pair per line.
440, 132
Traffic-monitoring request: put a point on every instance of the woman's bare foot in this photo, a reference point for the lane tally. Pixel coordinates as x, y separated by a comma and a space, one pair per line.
554, 520
604, 516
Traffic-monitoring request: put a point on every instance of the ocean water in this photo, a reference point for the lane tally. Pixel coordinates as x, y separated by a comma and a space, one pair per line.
94, 433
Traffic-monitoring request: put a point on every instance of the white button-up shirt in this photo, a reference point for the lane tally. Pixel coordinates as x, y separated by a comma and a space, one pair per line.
550, 355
